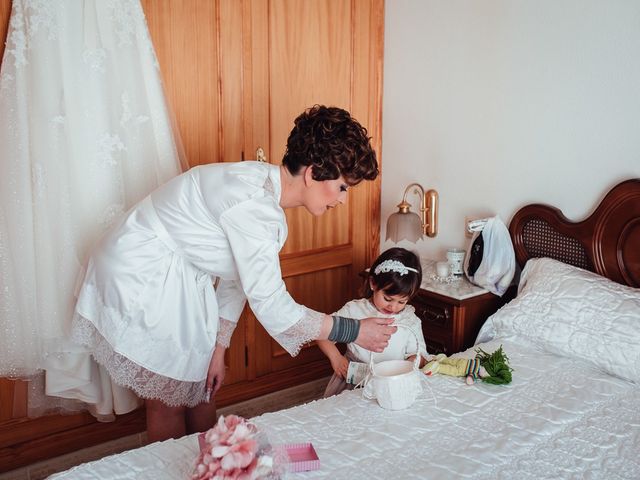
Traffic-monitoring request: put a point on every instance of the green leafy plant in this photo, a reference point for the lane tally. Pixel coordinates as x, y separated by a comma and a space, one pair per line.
497, 366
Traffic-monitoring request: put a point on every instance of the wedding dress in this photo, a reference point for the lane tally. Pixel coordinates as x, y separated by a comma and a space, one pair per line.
85, 134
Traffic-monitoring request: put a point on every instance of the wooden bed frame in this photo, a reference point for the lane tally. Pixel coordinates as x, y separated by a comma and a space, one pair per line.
607, 242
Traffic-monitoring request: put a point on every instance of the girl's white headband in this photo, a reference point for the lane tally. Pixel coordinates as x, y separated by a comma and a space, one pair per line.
394, 266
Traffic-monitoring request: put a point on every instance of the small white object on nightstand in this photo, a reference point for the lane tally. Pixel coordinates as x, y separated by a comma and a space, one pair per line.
459, 288
442, 269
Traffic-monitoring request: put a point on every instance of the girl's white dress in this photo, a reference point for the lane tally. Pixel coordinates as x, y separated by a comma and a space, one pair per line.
147, 308
402, 344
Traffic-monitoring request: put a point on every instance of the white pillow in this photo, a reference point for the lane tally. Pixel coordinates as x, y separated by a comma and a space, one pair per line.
574, 313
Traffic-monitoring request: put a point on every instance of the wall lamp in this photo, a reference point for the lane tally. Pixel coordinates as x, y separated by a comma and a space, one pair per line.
405, 224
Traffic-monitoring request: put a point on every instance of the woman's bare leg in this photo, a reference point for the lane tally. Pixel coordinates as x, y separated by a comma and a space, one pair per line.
164, 422
201, 417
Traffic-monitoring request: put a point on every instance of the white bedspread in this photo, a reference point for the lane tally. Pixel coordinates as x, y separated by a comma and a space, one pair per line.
559, 418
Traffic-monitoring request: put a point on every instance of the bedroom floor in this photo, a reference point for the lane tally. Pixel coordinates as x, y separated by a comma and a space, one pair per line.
268, 403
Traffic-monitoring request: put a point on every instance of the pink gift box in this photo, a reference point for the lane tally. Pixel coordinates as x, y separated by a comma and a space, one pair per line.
202, 443
302, 457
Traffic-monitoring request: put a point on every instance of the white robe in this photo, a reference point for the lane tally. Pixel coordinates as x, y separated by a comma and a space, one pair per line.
147, 307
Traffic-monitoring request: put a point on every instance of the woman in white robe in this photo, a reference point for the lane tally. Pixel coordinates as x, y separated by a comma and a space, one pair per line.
147, 308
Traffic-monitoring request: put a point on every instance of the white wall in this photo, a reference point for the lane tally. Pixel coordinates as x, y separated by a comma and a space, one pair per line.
500, 103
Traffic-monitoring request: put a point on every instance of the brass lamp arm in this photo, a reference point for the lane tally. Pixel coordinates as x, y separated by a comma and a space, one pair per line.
428, 208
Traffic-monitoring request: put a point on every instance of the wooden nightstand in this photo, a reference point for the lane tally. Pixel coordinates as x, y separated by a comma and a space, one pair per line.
452, 313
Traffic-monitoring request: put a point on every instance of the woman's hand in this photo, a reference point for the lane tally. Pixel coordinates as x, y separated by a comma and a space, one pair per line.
216, 372
340, 364
375, 333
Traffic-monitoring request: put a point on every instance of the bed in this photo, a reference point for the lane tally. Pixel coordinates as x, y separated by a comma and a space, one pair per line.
572, 335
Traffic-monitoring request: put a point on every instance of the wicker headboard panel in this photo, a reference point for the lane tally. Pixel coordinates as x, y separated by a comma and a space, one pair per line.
607, 242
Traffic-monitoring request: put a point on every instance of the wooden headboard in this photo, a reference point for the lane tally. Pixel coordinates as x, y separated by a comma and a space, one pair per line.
607, 242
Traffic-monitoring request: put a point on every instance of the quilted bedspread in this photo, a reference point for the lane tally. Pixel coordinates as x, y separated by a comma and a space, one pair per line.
559, 418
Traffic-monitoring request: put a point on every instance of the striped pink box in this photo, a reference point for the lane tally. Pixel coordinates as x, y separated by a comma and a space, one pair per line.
302, 457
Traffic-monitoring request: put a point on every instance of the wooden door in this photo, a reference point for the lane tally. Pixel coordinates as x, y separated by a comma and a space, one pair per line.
304, 53
236, 74
199, 48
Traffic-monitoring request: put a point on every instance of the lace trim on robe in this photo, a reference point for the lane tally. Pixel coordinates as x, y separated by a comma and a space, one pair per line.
124, 372
303, 331
225, 330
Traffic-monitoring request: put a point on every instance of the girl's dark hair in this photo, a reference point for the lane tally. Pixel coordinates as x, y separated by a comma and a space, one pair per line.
391, 282
334, 143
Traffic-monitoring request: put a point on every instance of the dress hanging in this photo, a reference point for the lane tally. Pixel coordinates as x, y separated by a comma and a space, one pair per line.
86, 133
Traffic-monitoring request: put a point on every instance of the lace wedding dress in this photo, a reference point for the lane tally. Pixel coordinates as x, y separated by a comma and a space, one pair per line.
85, 134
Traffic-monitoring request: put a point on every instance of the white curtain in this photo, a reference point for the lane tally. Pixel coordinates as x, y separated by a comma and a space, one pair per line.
84, 133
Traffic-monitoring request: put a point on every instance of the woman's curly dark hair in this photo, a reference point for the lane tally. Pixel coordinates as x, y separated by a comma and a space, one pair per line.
334, 143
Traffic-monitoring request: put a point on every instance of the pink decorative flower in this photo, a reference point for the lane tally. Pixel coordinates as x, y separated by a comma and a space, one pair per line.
230, 450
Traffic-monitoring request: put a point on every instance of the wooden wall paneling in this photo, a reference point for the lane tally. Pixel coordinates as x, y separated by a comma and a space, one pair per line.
309, 52
229, 26
321, 259
24, 429
368, 41
199, 48
322, 290
185, 38
272, 382
256, 83
314, 57
6, 399
332, 69
313, 279
20, 398
235, 356
25, 442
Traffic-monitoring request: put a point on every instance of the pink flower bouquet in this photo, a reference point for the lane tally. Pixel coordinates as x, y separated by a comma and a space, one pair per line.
234, 450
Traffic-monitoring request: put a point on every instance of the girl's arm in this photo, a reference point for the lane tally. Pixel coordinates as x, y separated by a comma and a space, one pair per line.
338, 361
423, 361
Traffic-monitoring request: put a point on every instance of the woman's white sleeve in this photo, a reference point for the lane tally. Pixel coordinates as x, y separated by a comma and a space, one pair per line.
252, 231
231, 301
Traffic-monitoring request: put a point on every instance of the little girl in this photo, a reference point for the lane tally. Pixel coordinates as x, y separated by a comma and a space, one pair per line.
393, 279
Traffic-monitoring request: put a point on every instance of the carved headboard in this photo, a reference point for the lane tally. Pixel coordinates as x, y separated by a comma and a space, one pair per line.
607, 242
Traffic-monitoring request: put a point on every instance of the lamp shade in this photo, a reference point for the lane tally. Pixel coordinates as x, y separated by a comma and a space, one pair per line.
404, 226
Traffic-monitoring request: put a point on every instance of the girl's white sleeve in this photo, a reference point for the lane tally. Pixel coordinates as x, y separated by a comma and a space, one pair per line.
410, 348
252, 229
231, 301
346, 311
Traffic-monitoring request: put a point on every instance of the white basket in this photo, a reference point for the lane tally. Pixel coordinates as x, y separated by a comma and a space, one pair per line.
395, 384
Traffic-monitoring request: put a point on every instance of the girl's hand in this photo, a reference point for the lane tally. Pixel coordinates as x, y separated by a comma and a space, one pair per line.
216, 372
340, 364
412, 358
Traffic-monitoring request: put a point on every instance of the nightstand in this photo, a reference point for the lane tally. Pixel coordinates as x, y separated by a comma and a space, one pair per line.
452, 313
